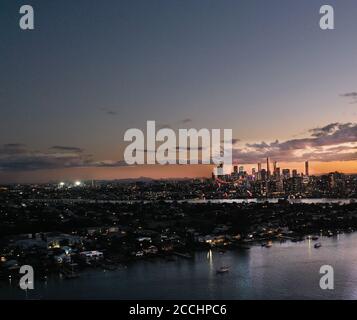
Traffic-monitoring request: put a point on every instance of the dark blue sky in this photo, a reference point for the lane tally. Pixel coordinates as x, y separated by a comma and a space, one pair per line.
92, 69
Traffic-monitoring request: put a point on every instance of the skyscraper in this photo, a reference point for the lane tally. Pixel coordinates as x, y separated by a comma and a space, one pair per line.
274, 168
268, 168
306, 168
259, 167
286, 173
277, 173
259, 174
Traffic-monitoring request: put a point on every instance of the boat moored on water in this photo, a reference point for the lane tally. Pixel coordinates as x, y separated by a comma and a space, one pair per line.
222, 270
317, 245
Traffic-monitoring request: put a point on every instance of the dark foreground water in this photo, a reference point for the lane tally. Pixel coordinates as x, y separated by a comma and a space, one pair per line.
284, 271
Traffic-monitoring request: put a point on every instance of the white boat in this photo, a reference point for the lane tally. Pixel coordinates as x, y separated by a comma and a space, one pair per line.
222, 270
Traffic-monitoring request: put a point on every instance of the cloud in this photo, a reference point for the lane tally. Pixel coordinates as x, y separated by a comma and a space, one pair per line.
319, 132
350, 95
39, 161
12, 148
15, 157
67, 149
335, 141
14, 145
109, 111
109, 163
176, 124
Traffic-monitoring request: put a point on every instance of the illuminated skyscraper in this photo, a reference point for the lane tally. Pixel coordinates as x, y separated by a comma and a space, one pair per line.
274, 168
259, 175
277, 173
286, 173
306, 168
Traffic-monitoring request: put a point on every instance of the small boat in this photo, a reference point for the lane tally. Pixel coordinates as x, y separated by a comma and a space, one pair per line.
317, 245
315, 238
222, 270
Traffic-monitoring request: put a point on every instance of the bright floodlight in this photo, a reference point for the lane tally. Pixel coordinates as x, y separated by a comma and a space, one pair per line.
77, 183
61, 184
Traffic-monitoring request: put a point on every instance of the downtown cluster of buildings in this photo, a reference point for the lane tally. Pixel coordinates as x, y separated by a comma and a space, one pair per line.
267, 174
273, 181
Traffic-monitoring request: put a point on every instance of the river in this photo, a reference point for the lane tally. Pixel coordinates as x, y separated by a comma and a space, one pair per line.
284, 271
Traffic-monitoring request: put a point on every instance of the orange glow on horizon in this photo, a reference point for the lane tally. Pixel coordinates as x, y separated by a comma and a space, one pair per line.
161, 172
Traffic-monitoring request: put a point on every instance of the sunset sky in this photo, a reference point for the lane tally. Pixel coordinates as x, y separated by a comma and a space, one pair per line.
92, 69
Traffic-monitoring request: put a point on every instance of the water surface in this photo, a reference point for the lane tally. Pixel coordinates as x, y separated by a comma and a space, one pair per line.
284, 271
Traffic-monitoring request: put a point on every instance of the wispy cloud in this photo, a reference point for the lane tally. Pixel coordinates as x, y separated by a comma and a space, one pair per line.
186, 120
66, 149
352, 96
12, 148
335, 141
109, 111
16, 157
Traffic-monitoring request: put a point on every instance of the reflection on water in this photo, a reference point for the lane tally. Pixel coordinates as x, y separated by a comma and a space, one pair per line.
273, 200
283, 271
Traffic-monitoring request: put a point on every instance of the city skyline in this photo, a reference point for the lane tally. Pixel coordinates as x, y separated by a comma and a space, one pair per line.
164, 172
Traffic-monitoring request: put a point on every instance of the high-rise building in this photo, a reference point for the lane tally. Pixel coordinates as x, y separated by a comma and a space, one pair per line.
235, 169
295, 173
241, 169
275, 166
263, 174
268, 168
277, 173
286, 173
306, 168
259, 175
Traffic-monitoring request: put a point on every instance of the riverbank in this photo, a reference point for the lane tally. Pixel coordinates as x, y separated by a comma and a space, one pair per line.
284, 271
